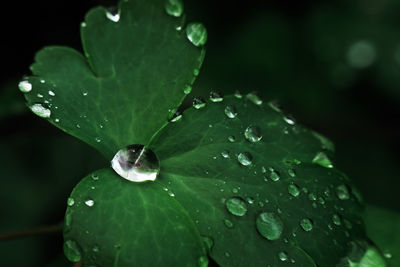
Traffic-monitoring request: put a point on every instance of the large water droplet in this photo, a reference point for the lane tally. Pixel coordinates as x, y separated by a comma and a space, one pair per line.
245, 158
41, 111
306, 224
254, 98
198, 103
342, 192
236, 206
253, 134
269, 225
72, 251
322, 159
25, 86
230, 111
136, 163
174, 7
197, 34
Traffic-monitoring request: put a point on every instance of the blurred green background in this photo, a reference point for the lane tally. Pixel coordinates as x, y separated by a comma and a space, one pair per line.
335, 65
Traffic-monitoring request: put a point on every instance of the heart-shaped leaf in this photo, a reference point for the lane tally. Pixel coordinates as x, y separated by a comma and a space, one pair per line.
137, 69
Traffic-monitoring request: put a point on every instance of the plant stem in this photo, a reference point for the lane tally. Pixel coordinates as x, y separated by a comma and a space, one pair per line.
36, 231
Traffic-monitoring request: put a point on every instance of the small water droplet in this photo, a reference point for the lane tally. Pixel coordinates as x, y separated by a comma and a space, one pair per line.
174, 7
84, 93
269, 225
41, 111
275, 106
227, 254
136, 163
253, 134
57, 120
289, 120
231, 138
97, 139
51, 93
89, 202
25, 86
387, 255
225, 154
72, 251
336, 219
283, 256
291, 173
216, 96
198, 103
322, 159
42, 81
228, 223
113, 14
306, 224
253, 97
274, 175
312, 197
342, 192
83, 25
78, 126
230, 111
70, 201
95, 249
236, 206
238, 95
176, 117
187, 89
293, 190
209, 243
196, 33
39, 95
245, 158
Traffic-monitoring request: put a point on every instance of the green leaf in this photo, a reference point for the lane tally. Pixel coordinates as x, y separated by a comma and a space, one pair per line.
199, 164
383, 227
134, 72
113, 222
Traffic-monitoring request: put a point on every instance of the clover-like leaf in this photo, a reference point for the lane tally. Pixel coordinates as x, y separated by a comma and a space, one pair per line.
113, 222
260, 186
136, 70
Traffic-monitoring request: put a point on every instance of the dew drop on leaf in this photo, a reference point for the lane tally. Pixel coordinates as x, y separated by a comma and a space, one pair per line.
269, 225
51, 93
289, 120
25, 86
174, 7
40, 110
231, 138
342, 192
89, 202
283, 256
39, 95
274, 175
176, 117
230, 111
198, 103
225, 154
293, 190
245, 158
208, 242
70, 201
228, 223
236, 206
196, 33
72, 251
322, 159
113, 14
238, 95
254, 98
253, 134
187, 89
336, 219
291, 173
136, 163
306, 224
216, 96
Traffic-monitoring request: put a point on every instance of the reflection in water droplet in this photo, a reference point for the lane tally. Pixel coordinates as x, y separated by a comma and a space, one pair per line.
136, 163
230, 111
89, 202
198, 103
293, 190
41, 111
245, 158
196, 33
342, 192
72, 251
236, 206
25, 86
322, 159
174, 7
216, 96
254, 98
70, 201
269, 225
253, 134
306, 224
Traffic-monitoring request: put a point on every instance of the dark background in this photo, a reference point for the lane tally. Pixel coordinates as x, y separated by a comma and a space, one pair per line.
335, 65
